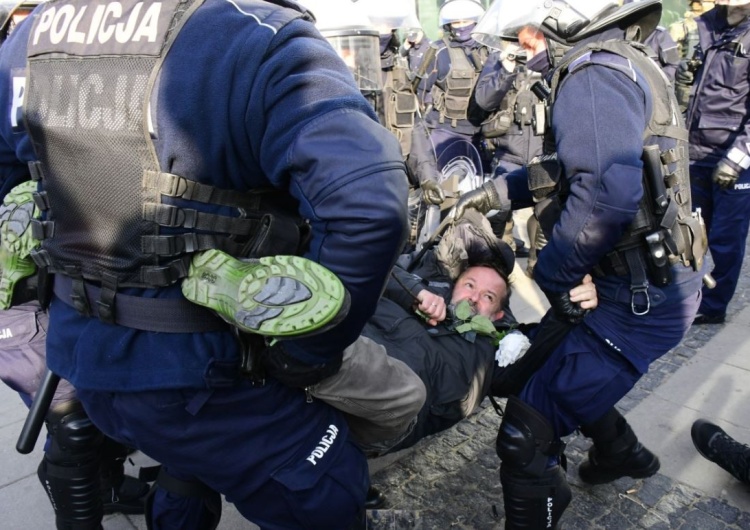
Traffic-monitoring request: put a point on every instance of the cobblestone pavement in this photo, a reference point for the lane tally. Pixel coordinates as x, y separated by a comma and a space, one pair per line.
451, 479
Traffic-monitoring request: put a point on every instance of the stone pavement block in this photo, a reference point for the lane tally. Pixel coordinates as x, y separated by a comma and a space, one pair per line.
393, 520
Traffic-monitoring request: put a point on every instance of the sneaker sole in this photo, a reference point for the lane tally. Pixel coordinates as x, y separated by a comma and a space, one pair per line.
278, 296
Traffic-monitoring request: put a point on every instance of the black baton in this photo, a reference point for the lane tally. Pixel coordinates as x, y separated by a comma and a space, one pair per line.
34, 421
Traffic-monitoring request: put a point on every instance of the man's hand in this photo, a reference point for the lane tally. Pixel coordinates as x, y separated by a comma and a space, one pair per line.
725, 175
432, 306
564, 308
684, 74
482, 199
432, 193
585, 294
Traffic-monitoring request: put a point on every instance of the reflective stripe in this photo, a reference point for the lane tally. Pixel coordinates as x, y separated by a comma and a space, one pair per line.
738, 157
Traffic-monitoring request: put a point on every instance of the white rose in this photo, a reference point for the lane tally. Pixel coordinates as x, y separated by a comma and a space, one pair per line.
511, 348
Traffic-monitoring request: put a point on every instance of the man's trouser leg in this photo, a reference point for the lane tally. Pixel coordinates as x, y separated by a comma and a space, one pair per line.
380, 395
535, 490
69, 471
616, 451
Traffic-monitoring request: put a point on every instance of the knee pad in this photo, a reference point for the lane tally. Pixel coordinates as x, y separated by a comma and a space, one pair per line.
73, 437
69, 471
526, 440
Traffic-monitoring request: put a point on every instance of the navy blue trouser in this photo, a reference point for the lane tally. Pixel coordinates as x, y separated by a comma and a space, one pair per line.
283, 462
727, 217
585, 377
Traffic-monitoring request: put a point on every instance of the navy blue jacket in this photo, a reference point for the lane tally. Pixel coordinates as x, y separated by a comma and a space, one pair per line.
666, 49
415, 53
718, 110
266, 106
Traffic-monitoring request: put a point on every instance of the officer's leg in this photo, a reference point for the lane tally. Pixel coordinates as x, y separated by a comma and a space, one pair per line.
616, 451
120, 492
69, 471
176, 501
535, 489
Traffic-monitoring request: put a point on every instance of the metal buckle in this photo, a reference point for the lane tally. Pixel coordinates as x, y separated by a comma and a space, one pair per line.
640, 289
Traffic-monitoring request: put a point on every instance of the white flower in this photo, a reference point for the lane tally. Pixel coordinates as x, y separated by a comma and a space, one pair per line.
511, 348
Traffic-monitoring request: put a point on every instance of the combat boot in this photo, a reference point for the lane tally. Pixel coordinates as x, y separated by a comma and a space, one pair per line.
616, 452
278, 296
717, 446
16, 240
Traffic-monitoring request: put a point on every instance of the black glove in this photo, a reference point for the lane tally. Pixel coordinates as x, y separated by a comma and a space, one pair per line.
684, 74
564, 309
482, 199
293, 372
725, 175
432, 193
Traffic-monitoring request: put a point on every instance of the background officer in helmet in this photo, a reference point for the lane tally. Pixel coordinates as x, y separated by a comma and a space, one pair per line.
602, 214
273, 150
450, 75
666, 49
719, 123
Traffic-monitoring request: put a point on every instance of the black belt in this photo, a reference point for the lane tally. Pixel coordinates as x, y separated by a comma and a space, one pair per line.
166, 315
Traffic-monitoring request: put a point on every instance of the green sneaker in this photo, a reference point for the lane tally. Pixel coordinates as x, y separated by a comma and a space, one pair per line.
276, 296
16, 241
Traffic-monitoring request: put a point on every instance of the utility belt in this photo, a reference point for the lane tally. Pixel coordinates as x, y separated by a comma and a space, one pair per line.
166, 315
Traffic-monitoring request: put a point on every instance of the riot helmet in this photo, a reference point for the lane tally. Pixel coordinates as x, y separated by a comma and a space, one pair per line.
565, 21
349, 31
453, 11
731, 2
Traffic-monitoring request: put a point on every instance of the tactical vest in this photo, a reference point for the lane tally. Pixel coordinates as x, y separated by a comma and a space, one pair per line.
87, 112
452, 100
401, 105
665, 231
517, 107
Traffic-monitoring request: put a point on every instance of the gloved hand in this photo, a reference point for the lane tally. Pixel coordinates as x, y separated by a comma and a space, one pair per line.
482, 199
432, 193
292, 372
563, 308
725, 175
684, 74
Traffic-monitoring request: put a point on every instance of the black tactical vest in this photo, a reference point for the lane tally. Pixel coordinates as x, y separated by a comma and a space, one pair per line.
665, 230
452, 96
401, 105
91, 72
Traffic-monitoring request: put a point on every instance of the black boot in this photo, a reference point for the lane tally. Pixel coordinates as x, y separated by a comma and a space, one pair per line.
375, 498
718, 447
120, 492
535, 490
616, 452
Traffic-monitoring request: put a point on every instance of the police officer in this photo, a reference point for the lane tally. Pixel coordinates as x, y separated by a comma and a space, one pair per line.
719, 123
415, 43
452, 70
604, 198
685, 32
666, 49
273, 149
504, 90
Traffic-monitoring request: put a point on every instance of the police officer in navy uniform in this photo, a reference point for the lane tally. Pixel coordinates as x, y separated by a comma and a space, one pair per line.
451, 71
612, 196
718, 119
271, 150
666, 49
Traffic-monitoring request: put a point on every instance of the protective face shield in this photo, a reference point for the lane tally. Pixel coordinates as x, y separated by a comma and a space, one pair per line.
564, 21
460, 10
351, 34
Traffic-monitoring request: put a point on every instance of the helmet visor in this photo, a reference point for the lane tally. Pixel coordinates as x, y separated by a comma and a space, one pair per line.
361, 54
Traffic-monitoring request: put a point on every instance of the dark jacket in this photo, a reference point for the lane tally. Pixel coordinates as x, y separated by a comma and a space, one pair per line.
718, 110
